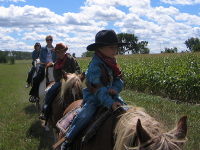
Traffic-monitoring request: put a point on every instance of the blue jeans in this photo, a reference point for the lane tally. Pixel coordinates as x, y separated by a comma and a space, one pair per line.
51, 92
82, 119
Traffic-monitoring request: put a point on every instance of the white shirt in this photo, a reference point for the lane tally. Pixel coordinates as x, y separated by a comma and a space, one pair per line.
49, 55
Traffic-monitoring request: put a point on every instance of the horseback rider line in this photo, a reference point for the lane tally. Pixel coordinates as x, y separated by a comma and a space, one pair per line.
47, 56
64, 63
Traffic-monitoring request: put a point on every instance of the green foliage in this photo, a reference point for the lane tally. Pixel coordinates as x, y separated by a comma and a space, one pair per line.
10, 56
87, 54
196, 48
176, 76
74, 55
191, 43
170, 50
11, 60
134, 46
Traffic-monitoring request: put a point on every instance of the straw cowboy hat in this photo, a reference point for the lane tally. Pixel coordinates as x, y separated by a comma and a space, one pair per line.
60, 47
105, 38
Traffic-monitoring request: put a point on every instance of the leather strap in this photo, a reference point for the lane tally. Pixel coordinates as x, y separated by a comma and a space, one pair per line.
59, 143
105, 78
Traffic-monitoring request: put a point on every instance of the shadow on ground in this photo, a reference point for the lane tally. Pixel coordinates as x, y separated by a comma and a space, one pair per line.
31, 110
37, 130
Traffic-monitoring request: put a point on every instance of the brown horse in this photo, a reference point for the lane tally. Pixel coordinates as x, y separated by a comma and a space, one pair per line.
71, 90
133, 129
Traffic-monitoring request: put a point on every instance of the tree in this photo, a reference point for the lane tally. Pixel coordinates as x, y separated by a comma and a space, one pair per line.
87, 54
74, 55
134, 46
190, 43
170, 50
196, 48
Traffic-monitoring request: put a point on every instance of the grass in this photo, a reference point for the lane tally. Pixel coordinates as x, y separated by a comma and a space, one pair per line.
20, 128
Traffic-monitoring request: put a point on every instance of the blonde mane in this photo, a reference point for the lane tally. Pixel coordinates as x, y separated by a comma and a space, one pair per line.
73, 81
126, 137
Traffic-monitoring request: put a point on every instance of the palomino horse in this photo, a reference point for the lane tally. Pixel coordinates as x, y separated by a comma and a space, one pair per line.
71, 90
133, 129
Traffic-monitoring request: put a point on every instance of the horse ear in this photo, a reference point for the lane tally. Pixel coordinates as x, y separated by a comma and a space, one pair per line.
181, 130
64, 75
143, 136
82, 76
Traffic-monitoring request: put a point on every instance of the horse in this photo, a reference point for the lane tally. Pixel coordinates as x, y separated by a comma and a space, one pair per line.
130, 129
36, 64
48, 78
71, 90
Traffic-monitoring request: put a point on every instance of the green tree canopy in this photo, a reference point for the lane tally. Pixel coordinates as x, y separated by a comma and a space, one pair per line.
87, 54
170, 50
191, 43
134, 46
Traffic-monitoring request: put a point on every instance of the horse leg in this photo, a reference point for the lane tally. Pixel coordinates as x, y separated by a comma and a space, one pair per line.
47, 127
42, 93
55, 134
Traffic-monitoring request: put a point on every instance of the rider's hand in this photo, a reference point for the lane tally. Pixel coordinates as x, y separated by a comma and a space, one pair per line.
49, 64
112, 92
115, 105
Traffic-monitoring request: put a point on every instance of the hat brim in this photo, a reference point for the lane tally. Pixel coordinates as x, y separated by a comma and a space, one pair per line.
94, 46
64, 49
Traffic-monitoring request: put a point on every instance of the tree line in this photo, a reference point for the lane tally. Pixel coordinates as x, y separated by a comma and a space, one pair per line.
11, 56
134, 47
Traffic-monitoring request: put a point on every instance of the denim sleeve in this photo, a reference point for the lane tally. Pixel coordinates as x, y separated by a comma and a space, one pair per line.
102, 95
42, 59
117, 85
95, 77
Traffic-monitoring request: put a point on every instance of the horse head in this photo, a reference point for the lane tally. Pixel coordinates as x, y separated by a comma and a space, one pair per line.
139, 131
170, 141
36, 64
71, 89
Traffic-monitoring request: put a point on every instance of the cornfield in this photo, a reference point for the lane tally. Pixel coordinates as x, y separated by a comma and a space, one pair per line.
175, 76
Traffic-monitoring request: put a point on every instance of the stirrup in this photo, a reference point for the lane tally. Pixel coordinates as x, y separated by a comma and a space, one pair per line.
41, 117
32, 99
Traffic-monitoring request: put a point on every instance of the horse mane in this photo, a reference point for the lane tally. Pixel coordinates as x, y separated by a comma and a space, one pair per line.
126, 137
73, 81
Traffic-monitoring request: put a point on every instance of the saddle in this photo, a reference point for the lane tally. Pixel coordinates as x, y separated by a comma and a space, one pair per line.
102, 113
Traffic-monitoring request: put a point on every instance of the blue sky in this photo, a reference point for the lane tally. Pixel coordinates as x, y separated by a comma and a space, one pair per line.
163, 23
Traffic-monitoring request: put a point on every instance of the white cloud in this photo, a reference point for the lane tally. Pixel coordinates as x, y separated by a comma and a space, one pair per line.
181, 2
12, 1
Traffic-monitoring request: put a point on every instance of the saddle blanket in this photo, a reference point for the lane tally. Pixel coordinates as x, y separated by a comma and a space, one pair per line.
64, 123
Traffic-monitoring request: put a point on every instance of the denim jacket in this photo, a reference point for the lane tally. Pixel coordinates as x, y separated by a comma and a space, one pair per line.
43, 55
35, 55
94, 76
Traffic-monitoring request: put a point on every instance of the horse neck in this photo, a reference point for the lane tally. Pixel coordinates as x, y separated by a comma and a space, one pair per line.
71, 90
49, 74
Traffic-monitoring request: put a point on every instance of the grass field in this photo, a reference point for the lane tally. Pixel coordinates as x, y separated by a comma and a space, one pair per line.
20, 128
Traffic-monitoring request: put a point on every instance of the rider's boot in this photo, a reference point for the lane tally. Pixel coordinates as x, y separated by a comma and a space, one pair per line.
66, 145
27, 85
43, 113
